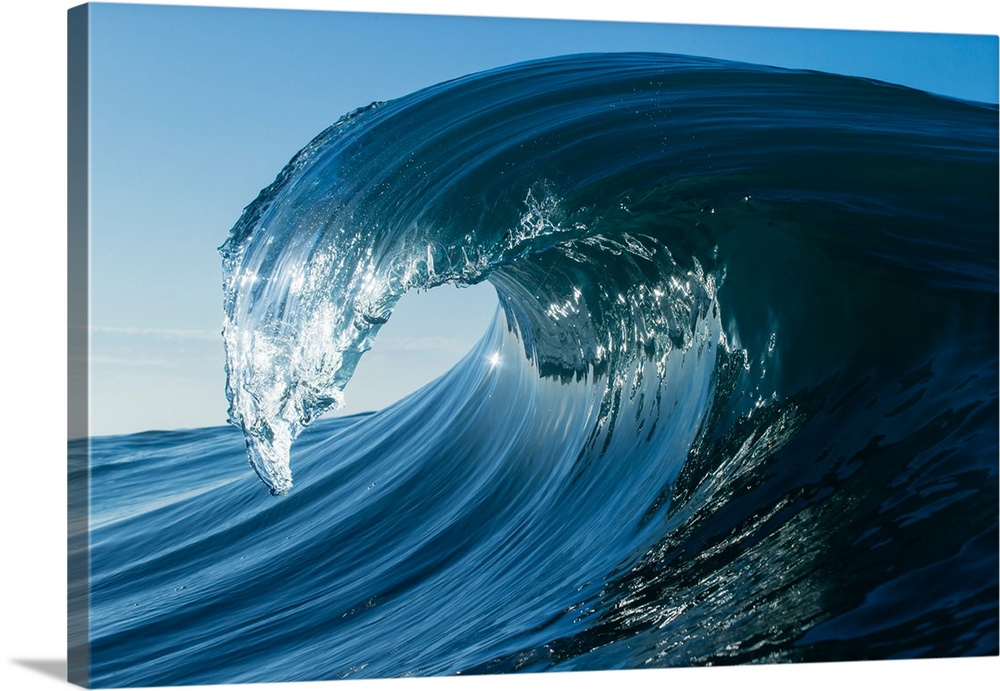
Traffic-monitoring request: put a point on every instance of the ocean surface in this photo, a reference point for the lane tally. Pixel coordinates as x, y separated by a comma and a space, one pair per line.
737, 404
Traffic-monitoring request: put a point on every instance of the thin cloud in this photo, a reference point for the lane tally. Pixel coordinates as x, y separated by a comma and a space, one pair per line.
173, 334
111, 361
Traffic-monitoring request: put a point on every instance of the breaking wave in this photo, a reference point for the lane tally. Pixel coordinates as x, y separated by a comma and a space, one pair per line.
738, 402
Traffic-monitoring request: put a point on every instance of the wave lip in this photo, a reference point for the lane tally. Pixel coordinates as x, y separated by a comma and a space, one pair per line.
316, 263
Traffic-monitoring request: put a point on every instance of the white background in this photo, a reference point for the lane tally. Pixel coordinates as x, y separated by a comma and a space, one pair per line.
33, 337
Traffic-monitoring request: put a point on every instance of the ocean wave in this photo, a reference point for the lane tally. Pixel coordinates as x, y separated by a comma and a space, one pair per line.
737, 404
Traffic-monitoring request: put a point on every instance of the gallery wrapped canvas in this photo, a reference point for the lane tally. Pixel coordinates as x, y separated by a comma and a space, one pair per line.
707, 333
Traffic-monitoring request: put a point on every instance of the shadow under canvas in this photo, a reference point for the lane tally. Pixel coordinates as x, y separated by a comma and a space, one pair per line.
55, 668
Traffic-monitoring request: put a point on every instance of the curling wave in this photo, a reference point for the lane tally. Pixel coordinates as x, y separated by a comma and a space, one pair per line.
744, 365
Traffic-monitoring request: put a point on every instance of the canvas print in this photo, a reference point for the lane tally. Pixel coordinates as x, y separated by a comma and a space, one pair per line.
668, 346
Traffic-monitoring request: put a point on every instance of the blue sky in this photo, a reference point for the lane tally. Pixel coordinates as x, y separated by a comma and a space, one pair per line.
195, 109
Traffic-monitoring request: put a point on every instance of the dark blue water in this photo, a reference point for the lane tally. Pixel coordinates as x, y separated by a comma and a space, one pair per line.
738, 402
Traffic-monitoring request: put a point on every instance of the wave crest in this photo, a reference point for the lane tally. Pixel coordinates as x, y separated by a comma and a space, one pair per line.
593, 191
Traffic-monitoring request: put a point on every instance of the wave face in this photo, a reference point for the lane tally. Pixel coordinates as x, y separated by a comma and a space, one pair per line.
738, 402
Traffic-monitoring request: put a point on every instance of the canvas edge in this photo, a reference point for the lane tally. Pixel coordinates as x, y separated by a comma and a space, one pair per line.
78, 313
